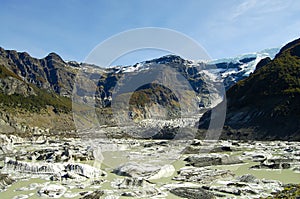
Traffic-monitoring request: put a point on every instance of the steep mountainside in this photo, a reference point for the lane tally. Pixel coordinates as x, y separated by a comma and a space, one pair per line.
31, 100
50, 73
266, 105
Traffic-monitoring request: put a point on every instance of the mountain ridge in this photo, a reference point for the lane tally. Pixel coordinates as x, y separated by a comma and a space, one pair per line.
265, 105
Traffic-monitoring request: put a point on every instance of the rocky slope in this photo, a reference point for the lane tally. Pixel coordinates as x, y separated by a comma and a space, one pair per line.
265, 106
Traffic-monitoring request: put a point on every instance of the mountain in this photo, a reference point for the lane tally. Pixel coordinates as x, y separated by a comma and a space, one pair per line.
31, 89
49, 73
229, 70
265, 106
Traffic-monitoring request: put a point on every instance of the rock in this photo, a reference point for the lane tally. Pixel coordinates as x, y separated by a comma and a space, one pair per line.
128, 194
128, 183
285, 165
262, 63
209, 160
11, 85
145, 192
246, 185
84, 170
166, 133
152, 144
248, 178
201, 175
203, 160
274, 164
133, 169
296, 169
5, 180
192, 193
22, 196
221, 149
197, 142
229, 190
52, 191
193, 149
164, 172
225, 160
57, 169
138, 187
94, 195
289, 191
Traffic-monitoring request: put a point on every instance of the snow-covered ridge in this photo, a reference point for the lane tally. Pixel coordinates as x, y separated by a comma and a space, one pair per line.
231, 70
270, 52
228, 70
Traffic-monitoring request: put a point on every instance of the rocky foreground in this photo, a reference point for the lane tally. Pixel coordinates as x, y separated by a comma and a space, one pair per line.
122, 168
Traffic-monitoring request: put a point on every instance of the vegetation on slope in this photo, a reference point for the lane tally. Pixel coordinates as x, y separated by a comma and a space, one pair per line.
36, 103
268, 100
32, 103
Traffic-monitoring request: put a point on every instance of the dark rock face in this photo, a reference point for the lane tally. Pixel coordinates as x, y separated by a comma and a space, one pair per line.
262, 63
288, 46
192, 193
11, 86
50, 73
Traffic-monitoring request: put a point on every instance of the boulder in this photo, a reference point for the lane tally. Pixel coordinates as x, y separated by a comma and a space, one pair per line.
201, 175
94, 195
133, 169
52, 191
5, 180
210, 160
248, 178
192, 193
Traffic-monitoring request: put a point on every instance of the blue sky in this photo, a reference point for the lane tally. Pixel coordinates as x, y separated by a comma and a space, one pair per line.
72, 28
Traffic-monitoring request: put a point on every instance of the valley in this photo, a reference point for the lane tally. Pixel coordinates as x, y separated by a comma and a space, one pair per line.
163, 128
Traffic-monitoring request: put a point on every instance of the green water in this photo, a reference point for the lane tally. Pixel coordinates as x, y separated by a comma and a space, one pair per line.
283, 175
11, 190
